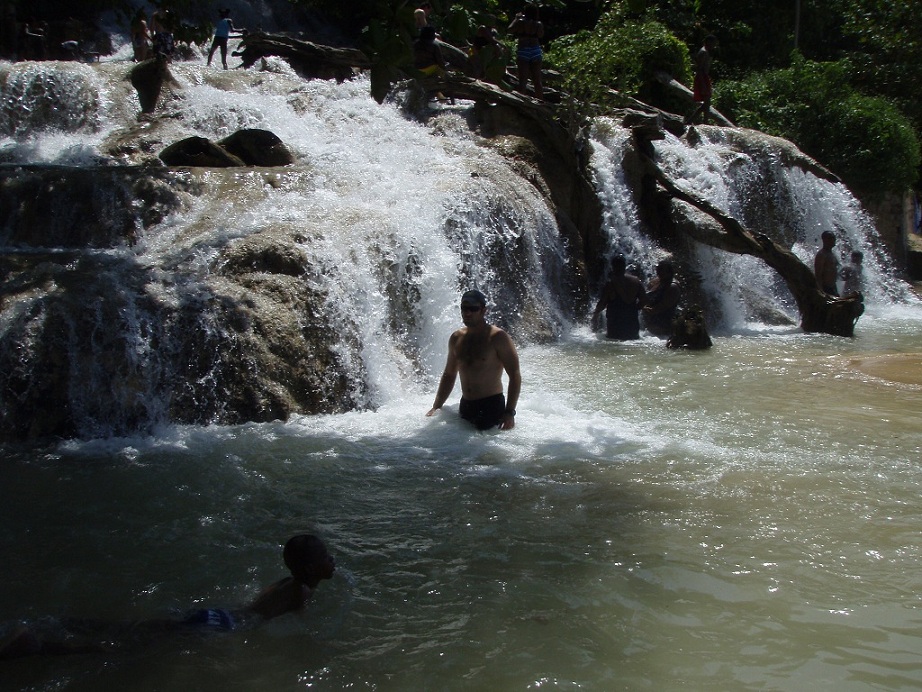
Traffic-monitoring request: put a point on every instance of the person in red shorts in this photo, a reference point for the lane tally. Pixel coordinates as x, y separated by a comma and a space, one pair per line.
703, 87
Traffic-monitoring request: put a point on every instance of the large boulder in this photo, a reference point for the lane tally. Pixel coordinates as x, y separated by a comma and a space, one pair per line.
257, 148
148, 78
199, 151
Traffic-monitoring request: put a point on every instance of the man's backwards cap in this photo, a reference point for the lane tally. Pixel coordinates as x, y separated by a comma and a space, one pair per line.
474, 296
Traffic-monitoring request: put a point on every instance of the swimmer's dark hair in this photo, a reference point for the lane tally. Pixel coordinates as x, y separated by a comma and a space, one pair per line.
303, 550
619, 264
427, 33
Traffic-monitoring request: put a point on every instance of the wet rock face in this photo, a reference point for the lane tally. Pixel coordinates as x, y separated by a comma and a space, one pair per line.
243, 148
148, 79
257, 148
85, 207
98, 344
199, 151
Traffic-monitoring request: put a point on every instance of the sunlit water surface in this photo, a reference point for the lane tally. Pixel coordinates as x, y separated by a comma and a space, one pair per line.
743, 518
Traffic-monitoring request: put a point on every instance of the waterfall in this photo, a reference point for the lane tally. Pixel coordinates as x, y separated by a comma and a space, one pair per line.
385, 222
153, 295
747, 179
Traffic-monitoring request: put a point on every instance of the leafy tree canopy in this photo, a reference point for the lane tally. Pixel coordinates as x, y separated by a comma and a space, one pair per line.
865, 139
621, 53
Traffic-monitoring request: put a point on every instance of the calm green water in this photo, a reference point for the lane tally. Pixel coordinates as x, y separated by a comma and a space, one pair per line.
745, 518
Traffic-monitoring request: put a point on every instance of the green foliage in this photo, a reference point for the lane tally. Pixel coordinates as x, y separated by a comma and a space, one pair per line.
621, 54
387, 40
887, 51
864, 139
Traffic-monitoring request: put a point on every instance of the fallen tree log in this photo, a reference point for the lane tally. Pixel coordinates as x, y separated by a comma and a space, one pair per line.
686, 94
312, 60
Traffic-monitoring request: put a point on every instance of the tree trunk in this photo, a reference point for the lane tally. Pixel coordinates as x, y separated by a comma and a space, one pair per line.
310, 59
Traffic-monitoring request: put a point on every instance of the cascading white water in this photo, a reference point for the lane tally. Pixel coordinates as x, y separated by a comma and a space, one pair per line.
396, 217
788, 204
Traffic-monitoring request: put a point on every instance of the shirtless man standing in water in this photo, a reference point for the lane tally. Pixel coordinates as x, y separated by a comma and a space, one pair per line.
479, 352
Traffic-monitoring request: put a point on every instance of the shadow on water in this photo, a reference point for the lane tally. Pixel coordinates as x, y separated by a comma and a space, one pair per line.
459, 557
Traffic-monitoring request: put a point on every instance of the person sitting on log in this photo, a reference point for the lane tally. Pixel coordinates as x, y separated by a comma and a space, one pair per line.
487, 57
853, 275
427, 56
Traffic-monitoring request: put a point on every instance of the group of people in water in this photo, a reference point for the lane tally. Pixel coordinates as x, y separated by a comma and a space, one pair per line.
624, 299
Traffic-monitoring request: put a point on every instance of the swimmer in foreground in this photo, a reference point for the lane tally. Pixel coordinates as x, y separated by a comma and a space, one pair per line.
305, 556
479, 352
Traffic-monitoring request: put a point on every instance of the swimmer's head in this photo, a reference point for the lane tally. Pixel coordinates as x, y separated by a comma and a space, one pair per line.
307, 558
427, 33
474, 297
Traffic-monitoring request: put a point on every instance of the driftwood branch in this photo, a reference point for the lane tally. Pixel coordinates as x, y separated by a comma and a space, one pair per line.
686, 94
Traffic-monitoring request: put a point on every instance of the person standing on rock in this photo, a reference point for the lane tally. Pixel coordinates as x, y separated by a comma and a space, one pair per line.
528, 29
161, 25
703, 86
826, 265
222, 33
140, 37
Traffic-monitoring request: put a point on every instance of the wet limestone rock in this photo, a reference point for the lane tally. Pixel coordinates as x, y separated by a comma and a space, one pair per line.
148, 78
257, 148
199, 151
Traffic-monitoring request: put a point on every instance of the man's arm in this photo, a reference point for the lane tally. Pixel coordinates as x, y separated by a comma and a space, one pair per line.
509, 357
447, 383
600, 306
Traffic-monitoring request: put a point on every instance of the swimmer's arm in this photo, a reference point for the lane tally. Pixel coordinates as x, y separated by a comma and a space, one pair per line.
447, 383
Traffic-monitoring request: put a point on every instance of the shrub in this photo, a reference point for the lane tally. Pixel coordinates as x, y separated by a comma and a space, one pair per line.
865, 140
618, 54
